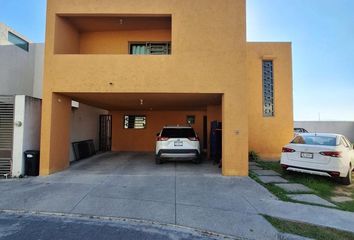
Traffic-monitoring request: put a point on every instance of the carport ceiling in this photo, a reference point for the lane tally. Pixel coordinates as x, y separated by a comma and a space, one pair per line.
144, 101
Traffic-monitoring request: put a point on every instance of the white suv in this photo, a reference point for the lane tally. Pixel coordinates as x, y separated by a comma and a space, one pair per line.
177, 142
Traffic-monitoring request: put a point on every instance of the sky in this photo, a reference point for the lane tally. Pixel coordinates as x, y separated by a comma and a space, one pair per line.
321, 32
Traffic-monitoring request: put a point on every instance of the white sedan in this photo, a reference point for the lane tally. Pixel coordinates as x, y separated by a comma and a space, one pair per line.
323, 154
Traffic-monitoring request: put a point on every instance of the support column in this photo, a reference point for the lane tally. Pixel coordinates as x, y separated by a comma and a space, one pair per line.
234, 136
55, 133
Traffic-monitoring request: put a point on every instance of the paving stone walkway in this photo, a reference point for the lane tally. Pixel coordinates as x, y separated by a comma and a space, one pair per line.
294, 188
310, 198
296, 192
262, 172
341, 199
255, 168
272, 179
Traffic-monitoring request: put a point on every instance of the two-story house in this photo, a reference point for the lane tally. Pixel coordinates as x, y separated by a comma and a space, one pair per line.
165, 60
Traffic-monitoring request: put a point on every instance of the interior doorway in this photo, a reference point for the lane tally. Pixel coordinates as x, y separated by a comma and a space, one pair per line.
105, 140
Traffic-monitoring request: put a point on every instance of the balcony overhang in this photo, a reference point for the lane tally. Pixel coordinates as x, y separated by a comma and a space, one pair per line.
97, 23
148, 101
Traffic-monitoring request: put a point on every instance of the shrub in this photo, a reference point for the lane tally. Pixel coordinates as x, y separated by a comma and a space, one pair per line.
253, 156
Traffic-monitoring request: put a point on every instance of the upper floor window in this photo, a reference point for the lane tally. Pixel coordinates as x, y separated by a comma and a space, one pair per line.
268, 88
16, 40
150, 48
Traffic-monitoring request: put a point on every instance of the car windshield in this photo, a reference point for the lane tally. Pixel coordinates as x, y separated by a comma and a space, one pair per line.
178, 132
315, 140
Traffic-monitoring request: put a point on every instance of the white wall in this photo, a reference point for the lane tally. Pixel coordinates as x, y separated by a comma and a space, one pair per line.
38, 70
27, 121
341, 127
16, 71
85, 125
21, 72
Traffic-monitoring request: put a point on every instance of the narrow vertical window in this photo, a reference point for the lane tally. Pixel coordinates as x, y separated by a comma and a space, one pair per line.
268, 89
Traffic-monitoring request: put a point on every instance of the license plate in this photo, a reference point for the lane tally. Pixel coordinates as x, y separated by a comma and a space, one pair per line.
307, 155
178, 144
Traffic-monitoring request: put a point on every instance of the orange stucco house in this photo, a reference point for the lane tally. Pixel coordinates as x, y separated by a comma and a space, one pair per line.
165, 59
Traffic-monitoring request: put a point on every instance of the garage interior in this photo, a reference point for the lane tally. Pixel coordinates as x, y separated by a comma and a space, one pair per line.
133, 120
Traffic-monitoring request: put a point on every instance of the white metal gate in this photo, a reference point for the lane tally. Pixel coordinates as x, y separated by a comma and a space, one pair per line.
6, 133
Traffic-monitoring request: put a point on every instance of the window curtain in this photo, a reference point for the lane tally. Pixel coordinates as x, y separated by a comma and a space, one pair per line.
139, 50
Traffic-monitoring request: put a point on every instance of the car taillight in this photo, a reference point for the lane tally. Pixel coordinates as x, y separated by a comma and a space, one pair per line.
159, 138
194, 138
287, 150
335, 154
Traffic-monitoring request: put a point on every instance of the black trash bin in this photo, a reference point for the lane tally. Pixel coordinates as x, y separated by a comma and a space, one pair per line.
32, 163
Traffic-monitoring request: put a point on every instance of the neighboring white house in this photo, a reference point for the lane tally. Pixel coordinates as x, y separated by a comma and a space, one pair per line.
21, 64
21, 77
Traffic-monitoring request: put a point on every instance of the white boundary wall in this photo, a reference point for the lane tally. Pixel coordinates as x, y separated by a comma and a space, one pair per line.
345, 128
27, 122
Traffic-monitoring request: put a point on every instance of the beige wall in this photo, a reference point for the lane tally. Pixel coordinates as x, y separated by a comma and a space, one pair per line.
268, 134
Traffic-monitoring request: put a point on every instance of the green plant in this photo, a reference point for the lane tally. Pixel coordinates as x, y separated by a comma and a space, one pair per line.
323, 186
308, 230
253, 156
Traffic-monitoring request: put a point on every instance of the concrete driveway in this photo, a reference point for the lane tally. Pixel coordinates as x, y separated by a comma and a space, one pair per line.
131, 185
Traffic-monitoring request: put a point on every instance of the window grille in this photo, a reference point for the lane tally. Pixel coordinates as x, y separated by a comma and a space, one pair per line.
268, 89
134, 122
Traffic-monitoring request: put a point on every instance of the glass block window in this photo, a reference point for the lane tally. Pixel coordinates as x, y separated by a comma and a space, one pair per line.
134, 122
19, 42
149, 48
268, 89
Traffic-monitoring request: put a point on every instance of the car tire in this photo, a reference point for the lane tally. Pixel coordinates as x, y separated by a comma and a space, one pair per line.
158, 160
348, 179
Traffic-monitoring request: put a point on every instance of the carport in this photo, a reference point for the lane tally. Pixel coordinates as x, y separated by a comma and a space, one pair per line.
137, 117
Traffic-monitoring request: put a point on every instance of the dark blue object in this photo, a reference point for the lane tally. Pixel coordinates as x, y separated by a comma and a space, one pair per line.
216, 141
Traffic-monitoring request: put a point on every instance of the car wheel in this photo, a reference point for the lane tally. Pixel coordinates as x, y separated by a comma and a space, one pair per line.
158, 160
348, 179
